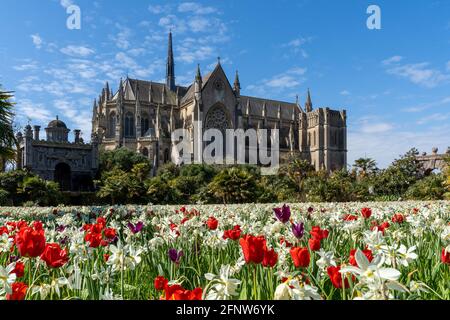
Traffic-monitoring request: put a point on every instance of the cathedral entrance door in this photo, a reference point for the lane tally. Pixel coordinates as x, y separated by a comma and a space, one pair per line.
63, 176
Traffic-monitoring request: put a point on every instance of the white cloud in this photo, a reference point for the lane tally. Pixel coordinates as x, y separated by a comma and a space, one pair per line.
417, 73
37, 40
158, 9
195, 8
344, 93
435, 117
26, 66
77, 51
30, 111
384, 147
122, 38
391, 60
377, 128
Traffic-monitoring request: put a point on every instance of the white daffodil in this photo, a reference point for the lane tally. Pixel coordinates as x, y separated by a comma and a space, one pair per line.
123, 257
108, 294
406, 255
374, 240
326, 259
7, 278
370, 272
222, 287
418, 287
296, 290
5, 243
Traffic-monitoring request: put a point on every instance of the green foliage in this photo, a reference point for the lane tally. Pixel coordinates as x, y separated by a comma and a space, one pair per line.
235, 185
5, 198
121, 158
403, 173
7, 139
159, 191
122, 176
40, 191
446, 183
429, 188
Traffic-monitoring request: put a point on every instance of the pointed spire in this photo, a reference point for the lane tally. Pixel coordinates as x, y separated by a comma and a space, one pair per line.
198, 76
107, 91
237, 83
170, 73
308, 105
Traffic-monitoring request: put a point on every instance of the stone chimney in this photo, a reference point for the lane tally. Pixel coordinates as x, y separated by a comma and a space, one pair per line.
36, 132
77, 135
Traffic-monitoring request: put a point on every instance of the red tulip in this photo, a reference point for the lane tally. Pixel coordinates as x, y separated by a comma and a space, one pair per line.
398, 218
300, 256
445, 256
253, 248
177, 292
366, 212
318, 233
19, 291
270, 258
233, 234
336, 277
30, 241
110, 233
212, 223
54, 256
19, 269
314, 244
160, 283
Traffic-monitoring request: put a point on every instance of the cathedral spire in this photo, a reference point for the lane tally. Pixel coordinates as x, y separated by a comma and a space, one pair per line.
308, 105
237, 83
170, 74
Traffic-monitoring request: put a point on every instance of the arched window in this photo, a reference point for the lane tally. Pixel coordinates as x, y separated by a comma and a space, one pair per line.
145, 152
145, 124
129, 125
112, 124
314, 138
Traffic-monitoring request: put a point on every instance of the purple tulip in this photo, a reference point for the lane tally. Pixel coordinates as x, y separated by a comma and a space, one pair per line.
60, 228
310, 209
298, 230
175, 255
283, 214
136, 228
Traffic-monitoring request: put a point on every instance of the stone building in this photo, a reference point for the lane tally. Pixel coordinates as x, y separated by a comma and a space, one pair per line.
141, 115
72, 164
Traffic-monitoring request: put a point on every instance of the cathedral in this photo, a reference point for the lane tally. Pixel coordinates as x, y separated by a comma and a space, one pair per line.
142, 114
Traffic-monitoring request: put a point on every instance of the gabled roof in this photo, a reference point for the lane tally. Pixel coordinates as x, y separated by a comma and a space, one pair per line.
147, 89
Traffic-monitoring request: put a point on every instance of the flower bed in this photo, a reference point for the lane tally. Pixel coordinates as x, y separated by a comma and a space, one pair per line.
397, 250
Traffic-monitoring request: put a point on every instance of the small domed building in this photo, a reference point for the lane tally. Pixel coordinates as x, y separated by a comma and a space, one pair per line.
72, 164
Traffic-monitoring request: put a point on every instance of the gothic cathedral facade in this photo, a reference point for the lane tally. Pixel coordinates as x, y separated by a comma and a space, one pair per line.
142, 114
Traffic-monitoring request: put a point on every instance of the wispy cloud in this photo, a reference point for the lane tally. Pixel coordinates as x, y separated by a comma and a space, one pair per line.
77, 51
37, 40
417, 73
196, 8
391, 60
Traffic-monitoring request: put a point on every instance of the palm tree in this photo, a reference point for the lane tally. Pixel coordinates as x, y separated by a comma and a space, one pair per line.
7, 139
365, 166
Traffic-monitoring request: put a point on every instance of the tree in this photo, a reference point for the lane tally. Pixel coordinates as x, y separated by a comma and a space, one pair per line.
121, 158
296, 171
399, 176
428, 188
365, 166
234, 185
7, 139
447, 177
40, 191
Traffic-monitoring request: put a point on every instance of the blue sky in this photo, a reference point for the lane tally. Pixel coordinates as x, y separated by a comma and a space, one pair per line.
394, 82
